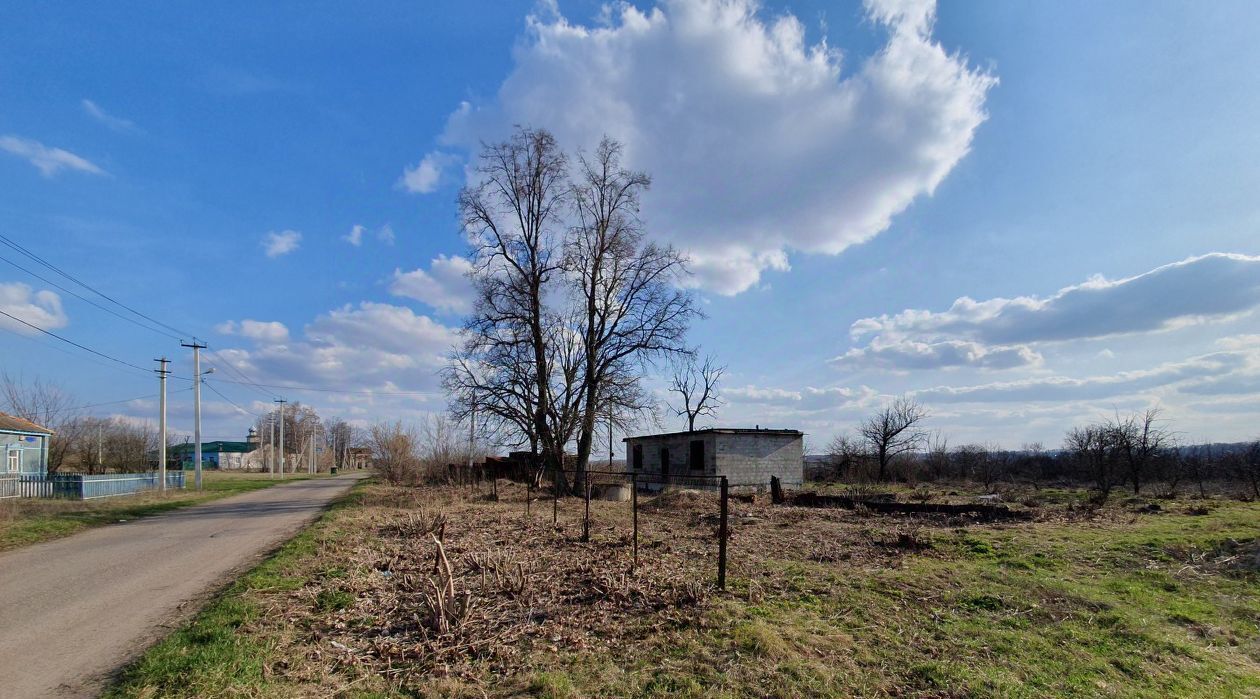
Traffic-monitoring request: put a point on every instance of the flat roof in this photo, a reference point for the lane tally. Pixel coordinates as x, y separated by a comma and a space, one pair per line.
724, 430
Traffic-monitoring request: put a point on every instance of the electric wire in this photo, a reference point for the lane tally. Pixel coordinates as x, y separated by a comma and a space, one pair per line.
72, 342
88, 300
9, 242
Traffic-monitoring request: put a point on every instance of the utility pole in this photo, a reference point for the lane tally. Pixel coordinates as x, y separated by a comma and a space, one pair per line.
162, 373
610, 436
281, 402
196, 348
271, 455
100, 458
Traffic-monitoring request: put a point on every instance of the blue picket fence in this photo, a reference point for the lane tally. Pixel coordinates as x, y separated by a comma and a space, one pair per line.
79, 486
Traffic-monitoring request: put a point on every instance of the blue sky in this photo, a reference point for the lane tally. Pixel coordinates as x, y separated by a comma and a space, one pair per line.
837, 200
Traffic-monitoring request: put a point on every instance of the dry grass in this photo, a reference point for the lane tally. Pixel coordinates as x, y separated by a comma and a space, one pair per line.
442, 592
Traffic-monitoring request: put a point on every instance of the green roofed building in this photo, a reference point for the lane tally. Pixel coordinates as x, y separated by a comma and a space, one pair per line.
222, 454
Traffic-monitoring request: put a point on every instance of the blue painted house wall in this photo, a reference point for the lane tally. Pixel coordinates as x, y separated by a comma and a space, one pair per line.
23, 452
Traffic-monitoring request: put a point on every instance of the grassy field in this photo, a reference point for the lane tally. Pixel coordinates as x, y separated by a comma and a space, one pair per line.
1136, 599
25, 521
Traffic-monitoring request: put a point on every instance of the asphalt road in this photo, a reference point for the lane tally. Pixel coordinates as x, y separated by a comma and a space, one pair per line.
73, 611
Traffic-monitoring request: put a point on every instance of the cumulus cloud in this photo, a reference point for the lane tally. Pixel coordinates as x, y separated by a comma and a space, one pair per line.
281, 243
95, 111
1063, 388
425, 176
904, 355
355, 236
368, 346
49, 161
1212, 286
760, 144
445, 285
262, 331
808, 399
40, 308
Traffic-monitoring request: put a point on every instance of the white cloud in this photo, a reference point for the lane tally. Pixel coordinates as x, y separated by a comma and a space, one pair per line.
40, 308
806, 400
355, 236
759, 143
1063, 388
386, 234
1214, 286
282, 243
445, 285
425, 176
903, 355
116, 123
270, 332
372, 346
49, 161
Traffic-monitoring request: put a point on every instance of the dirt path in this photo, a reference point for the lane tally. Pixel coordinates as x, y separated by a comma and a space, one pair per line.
76, 609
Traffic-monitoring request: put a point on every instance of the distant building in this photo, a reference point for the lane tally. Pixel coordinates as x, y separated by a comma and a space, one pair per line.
222, 455
747, 457
23, 446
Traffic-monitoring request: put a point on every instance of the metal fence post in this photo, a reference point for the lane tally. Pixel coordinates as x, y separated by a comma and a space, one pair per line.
634, 508
722, 531
586, 519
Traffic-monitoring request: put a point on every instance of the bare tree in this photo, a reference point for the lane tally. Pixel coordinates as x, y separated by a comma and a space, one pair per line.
632, 307
572, 300
1140, 441
1093, 450
395, 451
696, 386
1250, 465
45, 404
894, 431
514, 216
848, 456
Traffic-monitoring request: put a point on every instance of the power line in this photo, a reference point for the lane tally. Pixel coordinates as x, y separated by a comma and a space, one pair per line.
85, 285
219, 394
87, 300
72, 342
241, 374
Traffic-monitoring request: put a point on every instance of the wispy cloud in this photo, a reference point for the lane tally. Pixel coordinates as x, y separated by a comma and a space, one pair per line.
49, 161
280, 243
95, 111
355, 236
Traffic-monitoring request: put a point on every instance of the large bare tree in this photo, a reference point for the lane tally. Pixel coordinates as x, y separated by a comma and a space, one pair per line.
696, 387
893, 431
572, 300
632, 309
514, 216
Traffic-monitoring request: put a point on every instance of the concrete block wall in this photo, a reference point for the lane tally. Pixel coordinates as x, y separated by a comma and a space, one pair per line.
750, 459
747, 459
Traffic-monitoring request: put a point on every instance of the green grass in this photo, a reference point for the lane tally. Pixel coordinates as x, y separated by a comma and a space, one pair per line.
215, 654
30, 521
1103, 608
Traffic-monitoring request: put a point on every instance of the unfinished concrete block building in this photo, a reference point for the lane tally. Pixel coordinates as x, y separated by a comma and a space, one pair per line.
747, 457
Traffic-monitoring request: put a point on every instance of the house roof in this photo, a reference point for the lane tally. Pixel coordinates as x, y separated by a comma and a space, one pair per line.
219, 446
13, 423
725, 430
